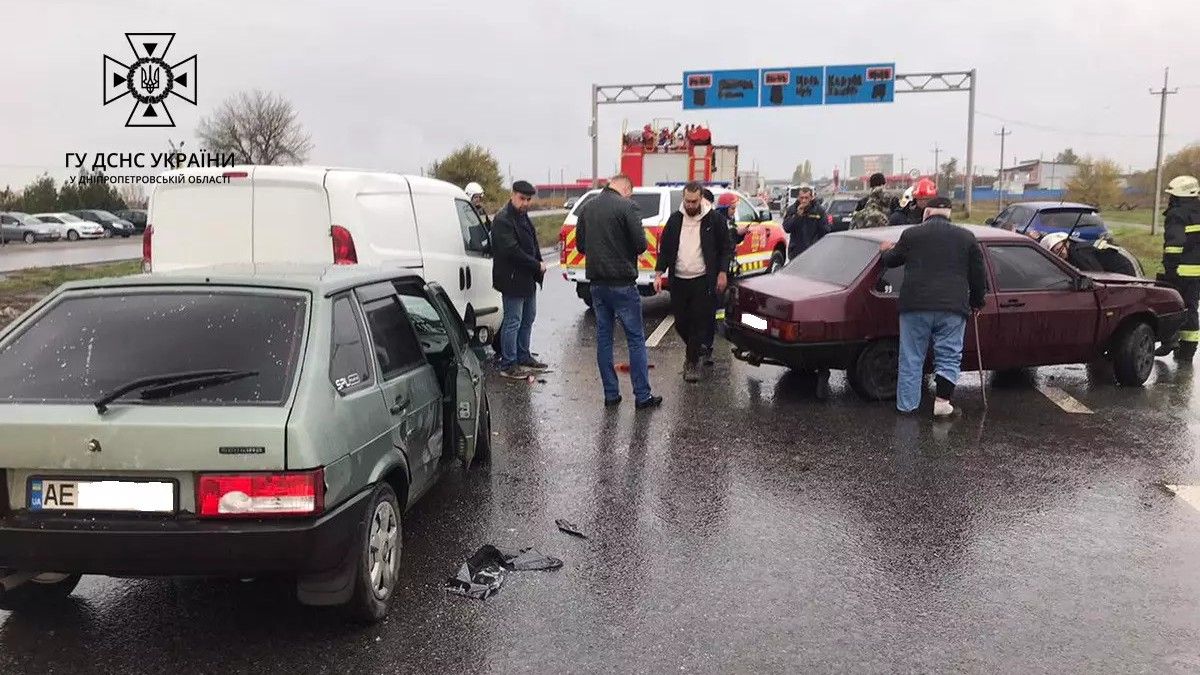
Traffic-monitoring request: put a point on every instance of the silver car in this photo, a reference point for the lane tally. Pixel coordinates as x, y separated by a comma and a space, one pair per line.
230, 421
17, 226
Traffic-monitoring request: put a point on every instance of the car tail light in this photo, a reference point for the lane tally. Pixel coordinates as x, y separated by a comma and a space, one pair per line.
147, 248
235, 174
297, 493
829, 218
344, 252
787, 331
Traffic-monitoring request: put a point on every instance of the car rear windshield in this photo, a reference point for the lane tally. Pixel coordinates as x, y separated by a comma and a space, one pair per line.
647, 202
835, 259
1065, 220
842, 207
85, 346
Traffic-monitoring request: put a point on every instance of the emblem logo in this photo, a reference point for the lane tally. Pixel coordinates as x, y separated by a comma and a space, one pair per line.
151, 79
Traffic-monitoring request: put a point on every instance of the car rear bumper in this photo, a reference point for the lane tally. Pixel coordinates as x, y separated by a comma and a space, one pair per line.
153, 547
755, 348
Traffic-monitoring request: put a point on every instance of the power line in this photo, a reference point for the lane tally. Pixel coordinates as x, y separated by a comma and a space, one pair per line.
1047, 127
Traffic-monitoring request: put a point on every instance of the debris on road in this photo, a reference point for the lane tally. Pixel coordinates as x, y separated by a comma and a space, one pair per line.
482, 575
570, 528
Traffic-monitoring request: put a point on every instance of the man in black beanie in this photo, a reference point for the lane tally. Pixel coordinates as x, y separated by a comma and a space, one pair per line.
517, 271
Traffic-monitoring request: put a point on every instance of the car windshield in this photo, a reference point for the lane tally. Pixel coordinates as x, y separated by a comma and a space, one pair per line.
647, 203
84, 347
1065, 220
835, 259
25, 218
105, 216
842, 207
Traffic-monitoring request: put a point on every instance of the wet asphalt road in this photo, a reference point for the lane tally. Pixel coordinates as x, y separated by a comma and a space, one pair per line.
745, 526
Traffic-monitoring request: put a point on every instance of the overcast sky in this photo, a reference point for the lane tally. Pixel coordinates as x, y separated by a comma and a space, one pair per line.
394, 85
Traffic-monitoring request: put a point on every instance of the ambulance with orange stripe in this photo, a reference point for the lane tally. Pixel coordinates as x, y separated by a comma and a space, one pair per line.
762, 250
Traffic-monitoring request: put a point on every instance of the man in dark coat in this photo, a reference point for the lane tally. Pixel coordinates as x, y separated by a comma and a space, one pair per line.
517, 271
805, 224
944, 282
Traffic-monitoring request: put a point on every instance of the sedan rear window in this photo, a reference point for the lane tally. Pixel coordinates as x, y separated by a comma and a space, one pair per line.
1065, 220
834, 260
83, 347
842, 207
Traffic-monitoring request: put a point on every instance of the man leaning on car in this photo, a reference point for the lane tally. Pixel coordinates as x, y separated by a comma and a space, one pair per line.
943, 283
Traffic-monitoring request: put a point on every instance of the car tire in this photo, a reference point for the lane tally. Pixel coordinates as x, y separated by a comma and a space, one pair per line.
72, 235
36, 595
778, 260
1133, 355
584, 291
483, 432
873, 373
380, 543
30, 238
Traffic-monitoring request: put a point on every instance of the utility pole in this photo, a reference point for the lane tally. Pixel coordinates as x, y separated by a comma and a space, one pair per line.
937, 178
1000, 173
1158, 162
901, 163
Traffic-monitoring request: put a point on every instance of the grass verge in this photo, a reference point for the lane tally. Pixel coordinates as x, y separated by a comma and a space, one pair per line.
547, 228
1138, 241
21, 289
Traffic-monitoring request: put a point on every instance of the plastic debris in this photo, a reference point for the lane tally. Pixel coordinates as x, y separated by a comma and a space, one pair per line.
482, 575
570, 528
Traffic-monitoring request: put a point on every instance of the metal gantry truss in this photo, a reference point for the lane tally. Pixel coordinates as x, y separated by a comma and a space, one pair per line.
906, 83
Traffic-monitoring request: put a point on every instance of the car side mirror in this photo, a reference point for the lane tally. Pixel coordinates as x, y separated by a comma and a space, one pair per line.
1084, 283
990, 221
764, 216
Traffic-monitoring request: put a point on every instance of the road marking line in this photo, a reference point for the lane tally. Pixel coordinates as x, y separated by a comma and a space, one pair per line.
1063, 400
661, 331
1188, 493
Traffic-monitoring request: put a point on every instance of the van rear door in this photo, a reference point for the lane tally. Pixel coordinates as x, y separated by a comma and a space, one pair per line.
204, 223
291, 215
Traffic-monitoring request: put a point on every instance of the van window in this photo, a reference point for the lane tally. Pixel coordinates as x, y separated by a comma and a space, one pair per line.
396, 345
647, 204
348, 366
475, 236
86, 346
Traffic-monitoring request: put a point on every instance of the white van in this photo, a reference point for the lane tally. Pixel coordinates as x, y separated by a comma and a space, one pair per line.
272, 214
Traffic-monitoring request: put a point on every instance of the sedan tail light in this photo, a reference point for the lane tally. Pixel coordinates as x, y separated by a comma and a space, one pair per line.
787, 331
255, 495
829, 218
147, 248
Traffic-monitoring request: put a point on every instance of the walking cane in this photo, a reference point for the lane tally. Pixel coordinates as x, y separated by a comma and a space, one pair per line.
979, 355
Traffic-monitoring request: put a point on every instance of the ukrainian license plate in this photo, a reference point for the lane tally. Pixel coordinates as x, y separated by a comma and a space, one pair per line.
754, 321
101, 495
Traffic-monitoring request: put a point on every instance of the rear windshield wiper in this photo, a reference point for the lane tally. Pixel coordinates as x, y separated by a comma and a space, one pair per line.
160, 383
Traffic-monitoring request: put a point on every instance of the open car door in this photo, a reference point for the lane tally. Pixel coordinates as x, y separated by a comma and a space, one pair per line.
465, 376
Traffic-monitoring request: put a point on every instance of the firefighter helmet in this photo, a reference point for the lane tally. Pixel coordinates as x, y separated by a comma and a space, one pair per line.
1053, 239
906, 198
473, 189
924, 189
1184, 186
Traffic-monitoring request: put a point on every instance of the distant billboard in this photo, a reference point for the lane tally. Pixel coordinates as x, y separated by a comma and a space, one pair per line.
865, 165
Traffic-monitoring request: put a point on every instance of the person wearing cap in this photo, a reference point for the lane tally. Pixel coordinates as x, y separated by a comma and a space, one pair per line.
944, 282
517, 271
1181, 259
874, 209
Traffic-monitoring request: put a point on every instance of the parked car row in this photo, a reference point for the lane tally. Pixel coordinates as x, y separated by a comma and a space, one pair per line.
70, 225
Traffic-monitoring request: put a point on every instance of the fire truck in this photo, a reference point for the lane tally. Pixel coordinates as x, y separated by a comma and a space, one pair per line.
670, 164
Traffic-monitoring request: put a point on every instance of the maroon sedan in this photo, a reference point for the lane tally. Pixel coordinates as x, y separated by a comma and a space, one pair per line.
835, 307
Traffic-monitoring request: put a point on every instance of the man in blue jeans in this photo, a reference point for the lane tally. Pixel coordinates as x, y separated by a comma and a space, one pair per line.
517, 271
944, 282
610, 234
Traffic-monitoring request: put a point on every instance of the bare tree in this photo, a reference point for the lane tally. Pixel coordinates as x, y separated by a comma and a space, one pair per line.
258, 127
134, 196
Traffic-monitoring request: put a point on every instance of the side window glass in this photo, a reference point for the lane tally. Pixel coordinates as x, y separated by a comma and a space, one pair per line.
348, 366
890, 280
395, 343
676, 201
745, 212
475, 236
431, 330
1025, 268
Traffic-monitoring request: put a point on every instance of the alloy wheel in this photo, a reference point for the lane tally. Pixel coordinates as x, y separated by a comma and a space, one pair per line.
382, 554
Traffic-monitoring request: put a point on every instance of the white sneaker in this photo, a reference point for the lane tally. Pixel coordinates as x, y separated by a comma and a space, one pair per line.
942, 408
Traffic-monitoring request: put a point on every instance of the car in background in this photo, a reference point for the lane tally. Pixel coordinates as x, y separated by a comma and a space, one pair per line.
762, 250
760, 205
277, 420
135, 217
838, 211
1042, 218
114, 226
835, 307
17, 226
73, 227
570, 202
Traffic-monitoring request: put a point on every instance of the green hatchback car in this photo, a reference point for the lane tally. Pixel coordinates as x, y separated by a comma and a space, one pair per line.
232, 421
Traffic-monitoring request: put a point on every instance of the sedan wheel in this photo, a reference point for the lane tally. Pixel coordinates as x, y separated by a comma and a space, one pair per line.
483, 435
72, 235
379, 548
1133, 356
873, 375
778, 260
30, 237
39, 593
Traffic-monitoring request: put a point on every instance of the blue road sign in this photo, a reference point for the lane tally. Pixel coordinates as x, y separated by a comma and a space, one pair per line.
792, 86
707, 89
874, 83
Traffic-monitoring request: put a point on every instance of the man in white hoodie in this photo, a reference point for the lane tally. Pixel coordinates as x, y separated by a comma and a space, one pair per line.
694, 253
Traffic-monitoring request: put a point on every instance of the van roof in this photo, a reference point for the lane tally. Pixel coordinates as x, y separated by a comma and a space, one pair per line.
316, 174
316, 278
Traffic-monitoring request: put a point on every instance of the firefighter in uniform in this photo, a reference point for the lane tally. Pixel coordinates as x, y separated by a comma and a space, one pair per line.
475, 194
1181, 258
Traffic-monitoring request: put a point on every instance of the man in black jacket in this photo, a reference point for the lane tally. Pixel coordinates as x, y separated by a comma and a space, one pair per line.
517, 270
695, 250
943, 283
806, 224
609, 234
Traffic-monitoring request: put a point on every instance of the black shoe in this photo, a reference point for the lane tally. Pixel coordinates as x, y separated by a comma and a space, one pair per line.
707, 355
612, 402
652, 402
534, 364
691, 372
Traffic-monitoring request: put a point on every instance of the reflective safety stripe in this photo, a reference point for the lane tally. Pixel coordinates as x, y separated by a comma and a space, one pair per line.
1188, 270
720, 315
1173, 249
1189, 336
1190, 229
